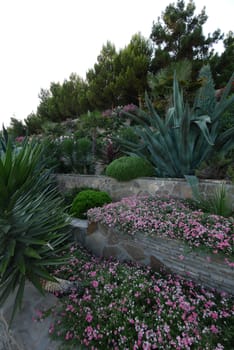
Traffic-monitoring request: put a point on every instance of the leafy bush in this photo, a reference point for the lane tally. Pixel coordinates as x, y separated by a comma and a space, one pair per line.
33, 226
86, 200
69, 195
127, 168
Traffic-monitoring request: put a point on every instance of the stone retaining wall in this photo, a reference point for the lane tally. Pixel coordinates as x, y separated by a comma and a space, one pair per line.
117, 190
167, 254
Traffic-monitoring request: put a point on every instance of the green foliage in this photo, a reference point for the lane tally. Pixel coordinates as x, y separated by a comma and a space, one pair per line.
33, 226
133, 62
178, 35
101, 79
178, 144
69, 195
75, 156
63, 101
161, 83
128, 134
86, 200
217, 203
216, 168
119, 77
230, 172
34, 124
16, 128
227, 120
223, 65
127, 168
107, 151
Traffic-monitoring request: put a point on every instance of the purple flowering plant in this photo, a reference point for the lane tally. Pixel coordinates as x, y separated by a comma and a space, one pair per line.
170, 218
126, 306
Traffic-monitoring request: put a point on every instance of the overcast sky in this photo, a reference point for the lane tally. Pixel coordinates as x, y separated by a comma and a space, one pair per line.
46, 40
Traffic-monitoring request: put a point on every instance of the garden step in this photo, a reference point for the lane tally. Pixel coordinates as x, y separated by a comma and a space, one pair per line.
25, 333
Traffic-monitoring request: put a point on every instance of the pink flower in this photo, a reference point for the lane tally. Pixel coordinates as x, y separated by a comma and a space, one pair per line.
214, 315
89, 317
214, 329
93, 273
156, 288
230, 264
95, 284
68, 335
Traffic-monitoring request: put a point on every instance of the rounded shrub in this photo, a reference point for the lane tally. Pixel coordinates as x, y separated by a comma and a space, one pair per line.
127, 168
86, 200
69, 195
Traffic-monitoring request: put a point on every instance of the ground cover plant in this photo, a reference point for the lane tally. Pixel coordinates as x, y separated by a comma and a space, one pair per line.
171, 218
127, 306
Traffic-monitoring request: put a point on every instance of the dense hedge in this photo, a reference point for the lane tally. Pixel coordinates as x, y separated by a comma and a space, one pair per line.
86, 200
128, 168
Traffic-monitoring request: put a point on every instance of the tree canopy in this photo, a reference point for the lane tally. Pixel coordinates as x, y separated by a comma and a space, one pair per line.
178, 35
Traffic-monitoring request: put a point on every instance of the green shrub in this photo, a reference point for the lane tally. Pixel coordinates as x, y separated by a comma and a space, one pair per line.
70, 194
127, 168
86, 200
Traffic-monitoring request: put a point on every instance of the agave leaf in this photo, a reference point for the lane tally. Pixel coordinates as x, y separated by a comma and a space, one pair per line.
178, 102
225, 141
202, 124
42, 273
194, 184
30, 240
4, 264
8, 286
32, 253
11, 247
18, 298
36, 282
21, 263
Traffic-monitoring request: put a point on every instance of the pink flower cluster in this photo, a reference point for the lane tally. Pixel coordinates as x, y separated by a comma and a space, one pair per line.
169, 218
126, 306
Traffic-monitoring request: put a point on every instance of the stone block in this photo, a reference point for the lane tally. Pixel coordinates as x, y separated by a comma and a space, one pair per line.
115, 252
135, 252
92, 227
158, 265
114, 238
96, 243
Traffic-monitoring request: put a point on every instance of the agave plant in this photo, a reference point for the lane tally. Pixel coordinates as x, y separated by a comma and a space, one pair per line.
177, 144
33, 226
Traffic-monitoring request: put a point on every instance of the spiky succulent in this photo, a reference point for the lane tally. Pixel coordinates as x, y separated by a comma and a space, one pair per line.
177, 144
33, 226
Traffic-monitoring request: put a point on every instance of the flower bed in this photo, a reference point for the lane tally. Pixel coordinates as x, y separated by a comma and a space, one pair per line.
126, 306
169, 218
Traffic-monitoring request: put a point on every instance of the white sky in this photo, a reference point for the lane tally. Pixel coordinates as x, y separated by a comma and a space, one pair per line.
46, 40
